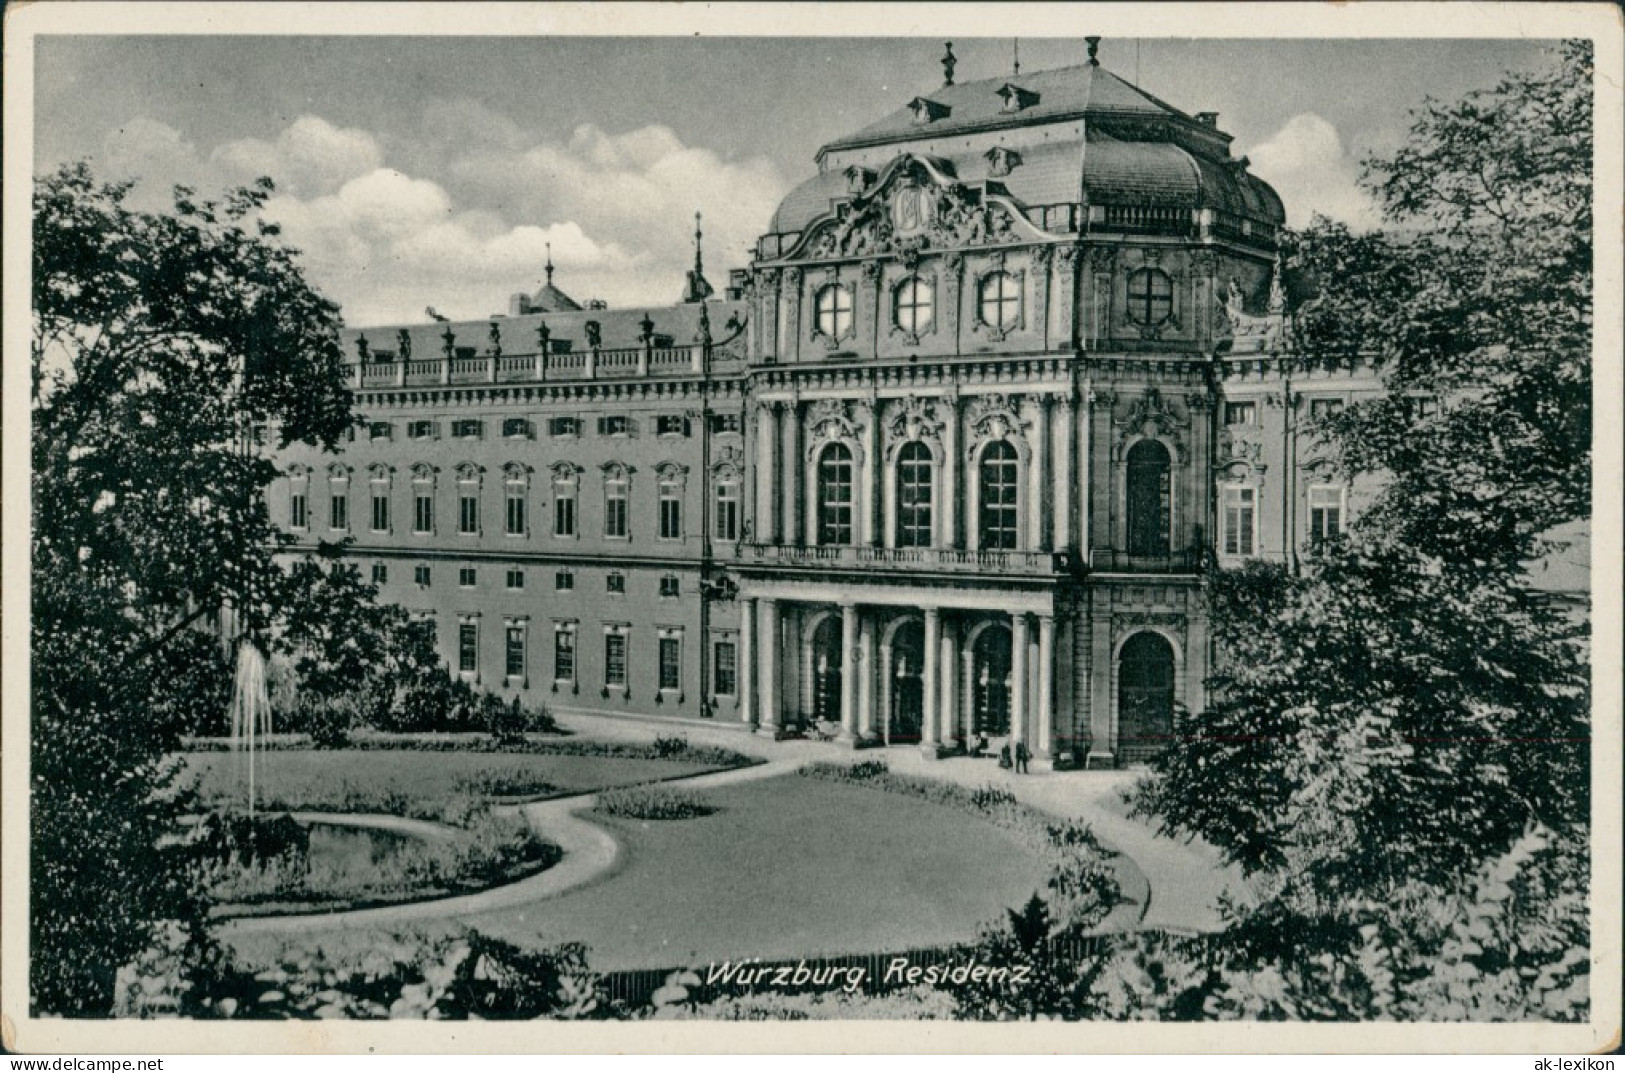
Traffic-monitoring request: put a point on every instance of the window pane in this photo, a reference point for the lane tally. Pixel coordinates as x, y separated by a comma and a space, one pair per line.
468, 515
467, 647
516, 652
914, 496
564, 656
835, 495
1149, 499
727, 520
380, 512
999, 494
726, 671
615, 659
516, 514
670, 662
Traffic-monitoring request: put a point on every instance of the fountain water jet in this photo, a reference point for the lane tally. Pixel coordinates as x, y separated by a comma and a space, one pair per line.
250, 712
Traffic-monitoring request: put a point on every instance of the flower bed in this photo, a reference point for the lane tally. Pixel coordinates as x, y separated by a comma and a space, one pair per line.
652, 803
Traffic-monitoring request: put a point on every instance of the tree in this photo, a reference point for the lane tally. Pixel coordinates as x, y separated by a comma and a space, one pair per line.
160, 341
1402, 711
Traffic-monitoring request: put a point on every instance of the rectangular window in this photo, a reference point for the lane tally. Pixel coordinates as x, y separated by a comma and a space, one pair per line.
516, 578
564, 513
420, 430
380, 512
726, 668
420, 576
378, 430
515, 652
671, 515
1325, 512
1320, 409
615, 583
1241, 413
466, 429
564, 581
380, 574
615, 518
564, 655
671, 663
615, 660
466, 577
468, 513
614, 425
298, 511
516, 513
518, 428
724, 422
671, 425
468, 647
564, 426
669, 585
338, 510
1240, 517
727, 520
423, 513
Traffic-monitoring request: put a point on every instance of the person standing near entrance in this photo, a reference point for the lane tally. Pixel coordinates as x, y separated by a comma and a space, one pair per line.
1022, 756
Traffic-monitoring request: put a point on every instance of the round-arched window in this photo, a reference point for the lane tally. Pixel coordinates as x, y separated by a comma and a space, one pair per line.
834, 311
999, 497
835, 493
999, 301
1150, 498
914, 496
912, 305
1150, 296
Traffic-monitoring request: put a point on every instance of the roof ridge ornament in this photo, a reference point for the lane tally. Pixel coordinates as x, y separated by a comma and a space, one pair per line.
1094, 50
549, 264
948, 64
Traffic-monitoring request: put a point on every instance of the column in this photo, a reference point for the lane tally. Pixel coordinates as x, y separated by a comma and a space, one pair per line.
767, 468
791, 476
885, 684
931, 683
1018, 679
869, 528
849, 672
747, 669
1041, 473
1043, 743
950, 474
967, 689
769, 718
950, 681
866, 678
1066, 480
808, 692
1100, 692
1085, 475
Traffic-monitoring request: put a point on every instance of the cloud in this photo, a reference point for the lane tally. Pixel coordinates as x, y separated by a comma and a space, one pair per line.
155, 154
461, 214
311, 156
1307, 164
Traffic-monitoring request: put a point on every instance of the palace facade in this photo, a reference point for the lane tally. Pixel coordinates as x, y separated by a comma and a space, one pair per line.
946, 461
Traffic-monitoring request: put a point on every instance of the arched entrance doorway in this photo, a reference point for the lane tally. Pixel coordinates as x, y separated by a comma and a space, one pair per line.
826, 671
906, 718
990, 682
1145, 697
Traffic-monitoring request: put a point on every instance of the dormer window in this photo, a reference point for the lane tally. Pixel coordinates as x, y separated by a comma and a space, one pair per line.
1001, 161
926, 110
1015, 98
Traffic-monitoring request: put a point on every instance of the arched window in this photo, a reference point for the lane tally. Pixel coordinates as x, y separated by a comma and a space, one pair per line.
516, 500
1145, 696
670, 493
468, 500
1150, 296
617, 494
912, 305
914, 496
422, 499
999, 301
338, 498
564, 500
298, 498
999, 489
378, 484
835, 495
1149, 499
834, 311
727, 507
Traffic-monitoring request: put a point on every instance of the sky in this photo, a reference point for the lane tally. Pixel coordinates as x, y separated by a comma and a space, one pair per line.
424, 171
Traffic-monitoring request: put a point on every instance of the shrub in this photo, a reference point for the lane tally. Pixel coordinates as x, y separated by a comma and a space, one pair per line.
449, 978
651, 802
667, 747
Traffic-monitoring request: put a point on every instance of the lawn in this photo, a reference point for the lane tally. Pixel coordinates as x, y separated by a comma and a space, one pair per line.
786, 866
319, 778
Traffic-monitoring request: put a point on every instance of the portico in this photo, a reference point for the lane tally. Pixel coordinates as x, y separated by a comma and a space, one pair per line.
902, 665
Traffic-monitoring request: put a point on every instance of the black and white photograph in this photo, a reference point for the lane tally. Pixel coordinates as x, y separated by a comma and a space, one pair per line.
637, 521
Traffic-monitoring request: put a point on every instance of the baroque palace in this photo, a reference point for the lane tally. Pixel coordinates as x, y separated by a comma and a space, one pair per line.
945, 462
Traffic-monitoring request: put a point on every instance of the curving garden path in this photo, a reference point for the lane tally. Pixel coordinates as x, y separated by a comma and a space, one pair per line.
1185, 880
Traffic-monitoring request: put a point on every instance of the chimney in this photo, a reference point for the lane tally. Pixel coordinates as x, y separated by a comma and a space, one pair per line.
1208, 119
518, 305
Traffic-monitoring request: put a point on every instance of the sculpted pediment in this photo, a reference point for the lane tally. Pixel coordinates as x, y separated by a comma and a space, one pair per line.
915, 204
